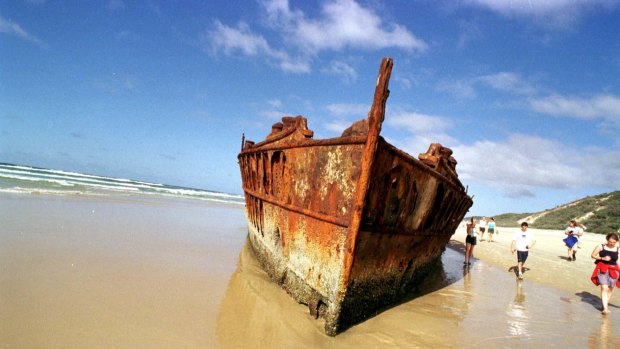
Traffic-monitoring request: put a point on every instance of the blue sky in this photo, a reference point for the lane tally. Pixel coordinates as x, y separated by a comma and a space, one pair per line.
526, 94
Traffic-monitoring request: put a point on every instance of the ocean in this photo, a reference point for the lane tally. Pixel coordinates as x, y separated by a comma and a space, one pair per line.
33, 180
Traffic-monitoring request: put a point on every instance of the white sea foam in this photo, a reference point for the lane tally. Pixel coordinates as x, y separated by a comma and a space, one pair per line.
20, 190
194, 192
74, 174
77, 179
63, 183
47, 181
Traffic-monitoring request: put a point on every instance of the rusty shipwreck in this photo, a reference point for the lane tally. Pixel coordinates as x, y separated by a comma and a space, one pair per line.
348, 225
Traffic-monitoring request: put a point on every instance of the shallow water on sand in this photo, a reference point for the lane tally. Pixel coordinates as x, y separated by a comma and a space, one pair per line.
133, 273
459, 308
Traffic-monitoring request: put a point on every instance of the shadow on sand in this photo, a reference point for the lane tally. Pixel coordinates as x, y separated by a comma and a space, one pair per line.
515, 269
593, 300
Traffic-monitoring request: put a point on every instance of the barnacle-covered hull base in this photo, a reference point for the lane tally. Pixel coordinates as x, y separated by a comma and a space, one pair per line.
348, 225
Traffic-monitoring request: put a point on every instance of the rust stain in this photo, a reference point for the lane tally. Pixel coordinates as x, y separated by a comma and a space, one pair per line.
347, 225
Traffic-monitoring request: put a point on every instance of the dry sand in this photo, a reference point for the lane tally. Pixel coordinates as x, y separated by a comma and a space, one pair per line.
80, 272
114, 273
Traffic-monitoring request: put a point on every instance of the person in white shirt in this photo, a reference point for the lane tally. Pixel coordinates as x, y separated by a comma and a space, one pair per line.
522, 243
482, 226
573, 232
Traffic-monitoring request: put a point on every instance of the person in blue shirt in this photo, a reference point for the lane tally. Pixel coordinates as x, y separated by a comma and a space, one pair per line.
491, 227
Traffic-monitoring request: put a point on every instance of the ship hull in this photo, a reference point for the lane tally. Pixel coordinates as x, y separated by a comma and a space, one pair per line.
299, 217
348, 225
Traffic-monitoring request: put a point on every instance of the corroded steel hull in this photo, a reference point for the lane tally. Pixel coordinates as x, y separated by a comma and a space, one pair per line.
348, 225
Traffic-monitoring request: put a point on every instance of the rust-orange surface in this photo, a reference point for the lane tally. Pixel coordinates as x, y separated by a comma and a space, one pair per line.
348, 225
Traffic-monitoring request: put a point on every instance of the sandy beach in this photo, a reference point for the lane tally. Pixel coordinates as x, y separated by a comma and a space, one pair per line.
142, 272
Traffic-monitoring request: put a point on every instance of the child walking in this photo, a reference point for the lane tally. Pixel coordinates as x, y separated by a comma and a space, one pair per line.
522, 243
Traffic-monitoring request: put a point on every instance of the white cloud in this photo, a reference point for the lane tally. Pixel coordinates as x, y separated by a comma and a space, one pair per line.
279, 10
419, 123
341, 24
9, 27
559, 14
417, 144
275, 103
600, 106
337, 125
349, 110
461, 89
343, 115
239, 39
509, 82
525, 163
272, 114
291, 65
519, 165
272, 110
344, 23
242, 40
522, 160
343, 70
603, 107
540, 8
423, 130
405, 83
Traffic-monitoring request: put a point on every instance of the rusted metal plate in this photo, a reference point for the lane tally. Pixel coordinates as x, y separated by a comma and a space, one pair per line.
347, 225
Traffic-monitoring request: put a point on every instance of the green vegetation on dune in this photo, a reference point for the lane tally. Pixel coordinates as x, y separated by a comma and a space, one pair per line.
510, 219
600, 214
607, 219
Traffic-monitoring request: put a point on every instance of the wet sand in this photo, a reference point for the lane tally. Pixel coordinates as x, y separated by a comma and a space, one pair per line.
80, 272
548, 259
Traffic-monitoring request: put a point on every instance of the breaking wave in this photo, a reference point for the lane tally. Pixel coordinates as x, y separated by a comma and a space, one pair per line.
33, 180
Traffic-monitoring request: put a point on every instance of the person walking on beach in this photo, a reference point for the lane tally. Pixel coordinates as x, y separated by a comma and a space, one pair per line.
470, 241
573, 232
606, 272
522, 243
491, 229
482, 226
